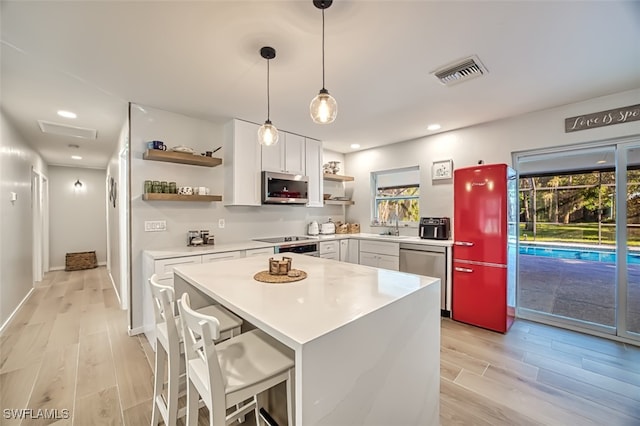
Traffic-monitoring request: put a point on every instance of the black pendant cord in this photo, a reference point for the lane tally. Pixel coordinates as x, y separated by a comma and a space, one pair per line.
323, 50
268, 103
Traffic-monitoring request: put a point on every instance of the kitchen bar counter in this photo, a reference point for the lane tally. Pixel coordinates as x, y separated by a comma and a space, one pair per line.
366, 340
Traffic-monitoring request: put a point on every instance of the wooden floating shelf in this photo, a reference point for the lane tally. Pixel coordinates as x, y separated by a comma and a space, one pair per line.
179, 197
181, 158
338, 178
339, 202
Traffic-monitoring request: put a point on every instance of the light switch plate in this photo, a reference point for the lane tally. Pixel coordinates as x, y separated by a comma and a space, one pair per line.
155, 225
220, 223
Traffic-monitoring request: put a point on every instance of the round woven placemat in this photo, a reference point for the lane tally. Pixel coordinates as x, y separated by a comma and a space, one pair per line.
266, 277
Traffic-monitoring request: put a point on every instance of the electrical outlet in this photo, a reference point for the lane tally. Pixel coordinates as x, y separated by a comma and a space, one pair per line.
220, 223
155, 225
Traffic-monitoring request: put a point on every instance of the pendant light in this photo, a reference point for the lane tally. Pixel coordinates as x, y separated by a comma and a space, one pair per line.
267, 133
323, 107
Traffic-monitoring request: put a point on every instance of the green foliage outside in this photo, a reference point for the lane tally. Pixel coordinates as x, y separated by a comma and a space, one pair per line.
400, 201
568, 208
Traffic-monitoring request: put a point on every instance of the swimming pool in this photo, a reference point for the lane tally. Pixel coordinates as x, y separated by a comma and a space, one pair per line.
580, 253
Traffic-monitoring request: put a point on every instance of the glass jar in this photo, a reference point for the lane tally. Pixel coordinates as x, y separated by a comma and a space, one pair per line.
173, 189
148, 186
157, 188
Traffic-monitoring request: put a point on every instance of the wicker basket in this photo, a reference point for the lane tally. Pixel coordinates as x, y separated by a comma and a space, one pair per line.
354, 228
342, 228
81, 260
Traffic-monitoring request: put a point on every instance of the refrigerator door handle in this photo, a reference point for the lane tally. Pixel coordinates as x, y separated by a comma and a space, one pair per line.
459, 269
464, 243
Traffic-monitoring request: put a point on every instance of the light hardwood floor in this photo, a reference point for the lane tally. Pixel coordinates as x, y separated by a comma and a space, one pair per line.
68, 348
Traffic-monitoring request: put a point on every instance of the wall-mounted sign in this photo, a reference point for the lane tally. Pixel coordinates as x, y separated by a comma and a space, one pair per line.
442, 170
602, 118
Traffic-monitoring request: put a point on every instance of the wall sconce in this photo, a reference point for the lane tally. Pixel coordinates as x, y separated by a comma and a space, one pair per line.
78, 184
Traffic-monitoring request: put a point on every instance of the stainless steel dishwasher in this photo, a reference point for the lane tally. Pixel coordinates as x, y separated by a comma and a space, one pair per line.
426, 260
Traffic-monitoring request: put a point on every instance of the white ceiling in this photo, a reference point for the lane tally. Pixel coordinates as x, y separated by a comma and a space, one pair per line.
202, 59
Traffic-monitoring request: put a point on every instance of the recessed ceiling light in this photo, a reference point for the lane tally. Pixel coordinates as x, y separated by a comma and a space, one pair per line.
67, 114
355, 145
76, 157
433, 127
601, 161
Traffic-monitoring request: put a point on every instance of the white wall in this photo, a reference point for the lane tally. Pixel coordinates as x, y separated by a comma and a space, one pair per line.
241, 223
116, 258
77, 217
491, 142
16, 251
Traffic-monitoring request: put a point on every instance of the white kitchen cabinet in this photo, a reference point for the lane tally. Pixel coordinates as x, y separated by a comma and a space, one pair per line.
330, 250
350, 251
313, 164
287, 156
333, 256
258, 252
242, 164
217, 257
384, 255
164, 268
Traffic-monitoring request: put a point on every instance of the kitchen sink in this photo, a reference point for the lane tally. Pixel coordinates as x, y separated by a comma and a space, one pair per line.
400, 237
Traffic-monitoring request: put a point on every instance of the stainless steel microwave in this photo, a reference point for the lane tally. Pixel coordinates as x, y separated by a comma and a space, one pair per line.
282, 188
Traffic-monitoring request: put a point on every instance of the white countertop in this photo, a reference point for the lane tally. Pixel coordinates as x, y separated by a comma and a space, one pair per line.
205, 249
167, 253
333, 294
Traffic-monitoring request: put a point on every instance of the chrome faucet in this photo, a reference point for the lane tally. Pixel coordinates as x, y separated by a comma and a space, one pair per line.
396, 229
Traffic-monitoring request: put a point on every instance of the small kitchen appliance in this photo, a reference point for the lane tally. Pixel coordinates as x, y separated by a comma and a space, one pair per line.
313, 229
328, 228
283, 188
434, 228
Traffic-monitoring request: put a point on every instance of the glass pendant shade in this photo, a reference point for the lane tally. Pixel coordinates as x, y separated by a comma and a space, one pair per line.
323, 108
268, 134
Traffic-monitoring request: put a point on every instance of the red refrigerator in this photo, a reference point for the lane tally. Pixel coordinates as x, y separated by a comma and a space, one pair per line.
485, 235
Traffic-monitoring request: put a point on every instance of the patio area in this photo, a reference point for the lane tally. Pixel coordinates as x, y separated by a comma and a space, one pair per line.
575, 288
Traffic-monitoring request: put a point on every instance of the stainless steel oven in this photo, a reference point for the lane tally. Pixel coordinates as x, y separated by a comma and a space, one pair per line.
310, 249
295, 244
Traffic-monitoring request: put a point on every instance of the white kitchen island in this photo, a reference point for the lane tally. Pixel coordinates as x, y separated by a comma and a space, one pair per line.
366, 340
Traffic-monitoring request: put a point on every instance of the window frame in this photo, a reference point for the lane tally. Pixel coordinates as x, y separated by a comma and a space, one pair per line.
374, 214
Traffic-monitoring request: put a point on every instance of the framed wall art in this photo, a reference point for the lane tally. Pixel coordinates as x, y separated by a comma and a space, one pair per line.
441, 170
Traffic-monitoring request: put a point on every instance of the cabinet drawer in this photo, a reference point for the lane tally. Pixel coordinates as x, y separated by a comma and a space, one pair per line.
164, 268
257, 252
216, 257
392, 249
333, 256
388, 262
329, 247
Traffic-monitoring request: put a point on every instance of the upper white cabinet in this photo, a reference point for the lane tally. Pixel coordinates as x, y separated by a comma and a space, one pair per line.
313, 163
287, 156
242, 163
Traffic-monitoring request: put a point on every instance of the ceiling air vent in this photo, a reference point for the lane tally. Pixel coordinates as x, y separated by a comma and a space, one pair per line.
460, 71
64, 130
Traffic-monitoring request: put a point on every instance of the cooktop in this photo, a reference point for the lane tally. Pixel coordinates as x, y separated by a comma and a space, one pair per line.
281, 239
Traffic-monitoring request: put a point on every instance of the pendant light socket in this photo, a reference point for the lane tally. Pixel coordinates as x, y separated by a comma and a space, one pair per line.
268, 133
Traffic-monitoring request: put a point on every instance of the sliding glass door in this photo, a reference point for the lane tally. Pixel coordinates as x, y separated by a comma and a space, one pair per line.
629, 320
579, 247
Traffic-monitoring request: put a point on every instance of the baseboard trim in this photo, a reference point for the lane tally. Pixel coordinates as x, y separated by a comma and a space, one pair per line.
135, 331
15, 311
62, 268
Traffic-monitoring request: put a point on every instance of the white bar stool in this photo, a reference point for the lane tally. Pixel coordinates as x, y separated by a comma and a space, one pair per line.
169, 353
228, 373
